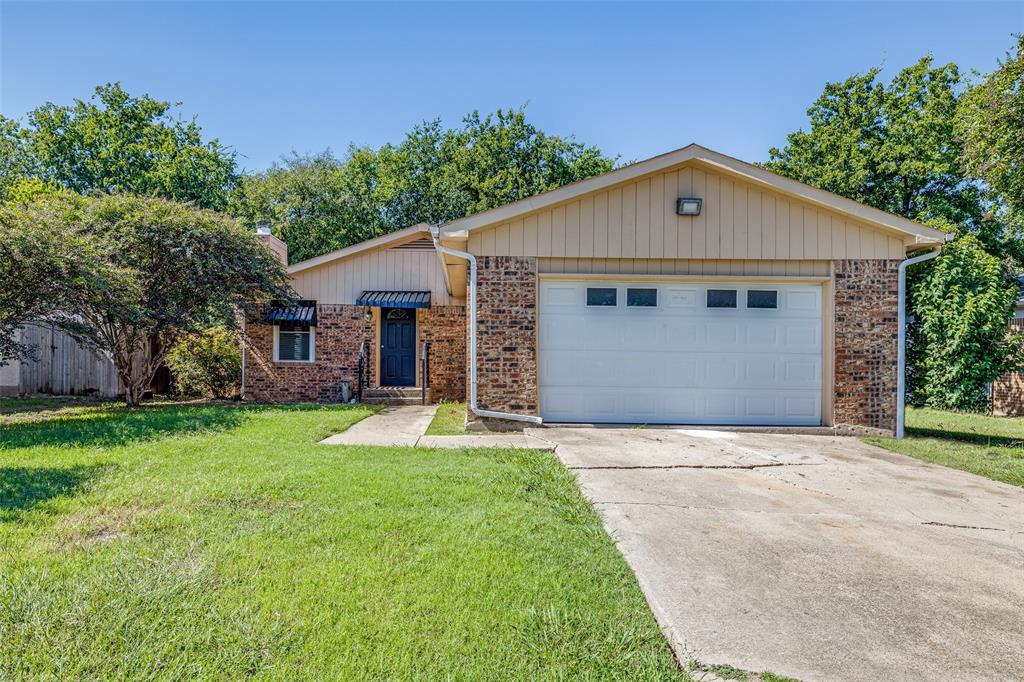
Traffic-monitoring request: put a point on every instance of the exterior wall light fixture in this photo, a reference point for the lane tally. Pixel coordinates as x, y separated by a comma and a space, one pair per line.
688, 206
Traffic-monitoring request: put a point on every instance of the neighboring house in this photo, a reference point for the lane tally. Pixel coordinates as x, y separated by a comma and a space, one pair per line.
1008, 390
690, 288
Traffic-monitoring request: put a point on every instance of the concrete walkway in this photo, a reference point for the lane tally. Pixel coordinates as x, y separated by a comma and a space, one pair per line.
391, 426
405, 426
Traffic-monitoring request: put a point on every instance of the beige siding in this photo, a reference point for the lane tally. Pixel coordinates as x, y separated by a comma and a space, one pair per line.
651, 266
341, 282
738, 221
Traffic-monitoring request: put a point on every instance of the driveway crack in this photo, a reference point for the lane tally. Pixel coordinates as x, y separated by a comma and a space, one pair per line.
695, 466
720, 509
957, 525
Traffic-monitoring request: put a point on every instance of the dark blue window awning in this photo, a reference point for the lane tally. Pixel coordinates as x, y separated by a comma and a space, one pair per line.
394, 299
303, 313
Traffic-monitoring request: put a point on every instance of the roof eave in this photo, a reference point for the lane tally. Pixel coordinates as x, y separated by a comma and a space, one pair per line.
405, 234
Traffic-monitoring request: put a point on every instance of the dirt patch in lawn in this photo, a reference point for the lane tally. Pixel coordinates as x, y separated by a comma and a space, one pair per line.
94, 527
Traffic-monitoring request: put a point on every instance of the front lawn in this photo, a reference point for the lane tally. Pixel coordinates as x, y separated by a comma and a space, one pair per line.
222, 542
988, 446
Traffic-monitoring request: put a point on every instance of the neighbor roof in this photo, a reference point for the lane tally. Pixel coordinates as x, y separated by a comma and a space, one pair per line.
725, 164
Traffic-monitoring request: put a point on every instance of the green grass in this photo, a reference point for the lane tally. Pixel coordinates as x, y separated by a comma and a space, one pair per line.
449, 420
10, 406
221, 542
988, 446
725, 671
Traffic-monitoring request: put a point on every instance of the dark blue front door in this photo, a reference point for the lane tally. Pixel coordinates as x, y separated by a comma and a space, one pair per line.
398, 347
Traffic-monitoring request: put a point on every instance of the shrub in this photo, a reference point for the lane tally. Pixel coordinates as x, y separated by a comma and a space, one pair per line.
961, 341
207, 363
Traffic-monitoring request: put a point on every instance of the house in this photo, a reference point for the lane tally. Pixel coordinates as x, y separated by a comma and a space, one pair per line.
1008, 390
689, 288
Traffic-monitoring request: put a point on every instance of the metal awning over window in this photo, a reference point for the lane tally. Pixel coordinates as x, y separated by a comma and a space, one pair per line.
394, 299
303, 313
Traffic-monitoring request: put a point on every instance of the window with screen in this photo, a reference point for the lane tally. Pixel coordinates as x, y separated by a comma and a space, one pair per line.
295, 344
721, 298
763, 298
602, 296
641, 298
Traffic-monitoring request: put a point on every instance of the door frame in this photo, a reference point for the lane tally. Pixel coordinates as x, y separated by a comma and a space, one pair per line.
379, 321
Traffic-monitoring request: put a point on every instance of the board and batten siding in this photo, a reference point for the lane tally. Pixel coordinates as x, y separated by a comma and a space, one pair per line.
637, 220
341, 282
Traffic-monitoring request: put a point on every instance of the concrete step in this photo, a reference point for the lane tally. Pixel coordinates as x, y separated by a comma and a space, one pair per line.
393, 391
393, 395
390, 401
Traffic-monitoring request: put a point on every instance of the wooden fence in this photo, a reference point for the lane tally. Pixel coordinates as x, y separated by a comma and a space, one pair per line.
64, 367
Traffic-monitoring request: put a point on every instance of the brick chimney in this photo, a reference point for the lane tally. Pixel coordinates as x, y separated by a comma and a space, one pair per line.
275, 244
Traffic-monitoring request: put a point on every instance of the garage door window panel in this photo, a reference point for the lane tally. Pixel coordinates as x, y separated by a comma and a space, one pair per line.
641, 298
721, 298
598, 297
763, 299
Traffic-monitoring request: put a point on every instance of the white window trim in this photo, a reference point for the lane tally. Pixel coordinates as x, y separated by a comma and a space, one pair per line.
312, 347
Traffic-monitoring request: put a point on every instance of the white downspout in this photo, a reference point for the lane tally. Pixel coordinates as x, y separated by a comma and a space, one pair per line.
901, 364
471, 302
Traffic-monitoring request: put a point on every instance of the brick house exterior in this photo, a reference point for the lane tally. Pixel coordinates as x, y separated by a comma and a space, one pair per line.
866, 336
1008, 390
507, 334
444, 328
773, 303
340, 331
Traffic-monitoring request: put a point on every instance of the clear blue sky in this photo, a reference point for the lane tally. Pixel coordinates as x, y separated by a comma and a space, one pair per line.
634, 79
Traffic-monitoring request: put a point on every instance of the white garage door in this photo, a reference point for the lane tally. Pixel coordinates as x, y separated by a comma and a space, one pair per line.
670, 353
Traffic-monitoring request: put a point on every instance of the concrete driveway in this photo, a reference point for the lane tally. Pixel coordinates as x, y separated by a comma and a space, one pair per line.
818, 557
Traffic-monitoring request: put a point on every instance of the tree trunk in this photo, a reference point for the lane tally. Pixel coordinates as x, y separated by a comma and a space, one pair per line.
133, 394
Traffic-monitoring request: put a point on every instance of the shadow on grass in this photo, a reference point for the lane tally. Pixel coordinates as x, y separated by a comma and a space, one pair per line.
111, 427
967, 437
22, 488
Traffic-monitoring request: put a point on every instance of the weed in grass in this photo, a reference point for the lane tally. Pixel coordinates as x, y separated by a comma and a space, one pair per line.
772, 677
728, 672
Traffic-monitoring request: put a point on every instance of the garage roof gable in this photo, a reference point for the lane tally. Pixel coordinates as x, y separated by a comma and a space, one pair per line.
720, 162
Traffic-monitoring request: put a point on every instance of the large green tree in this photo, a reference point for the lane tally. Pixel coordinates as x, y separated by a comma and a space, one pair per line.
319, 203
122, 271
961, 344
895, 146
889, 145
990, 123
116, 143
40, 266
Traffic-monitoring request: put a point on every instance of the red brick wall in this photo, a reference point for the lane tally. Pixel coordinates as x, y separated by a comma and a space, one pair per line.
866, 342
339, 332
1008, 390
444, 328
507, 334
